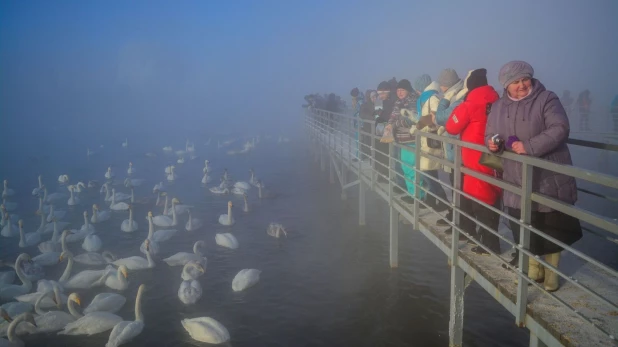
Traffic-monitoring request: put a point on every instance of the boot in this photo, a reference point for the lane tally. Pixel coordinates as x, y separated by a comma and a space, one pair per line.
536, 271
552, 280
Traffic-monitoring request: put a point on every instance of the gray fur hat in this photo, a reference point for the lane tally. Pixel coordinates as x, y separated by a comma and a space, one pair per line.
514, 70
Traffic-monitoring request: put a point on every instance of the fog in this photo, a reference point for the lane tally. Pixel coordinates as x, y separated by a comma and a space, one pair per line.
87, 73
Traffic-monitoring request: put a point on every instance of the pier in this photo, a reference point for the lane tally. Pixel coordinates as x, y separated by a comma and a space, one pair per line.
583, 312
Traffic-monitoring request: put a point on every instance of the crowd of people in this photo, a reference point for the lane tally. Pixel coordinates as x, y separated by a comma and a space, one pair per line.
525, 118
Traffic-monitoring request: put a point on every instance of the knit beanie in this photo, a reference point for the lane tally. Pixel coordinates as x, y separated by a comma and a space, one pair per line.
421, 82
514, 70
405, 84
448, 78
354, 92
384, 87
476, 78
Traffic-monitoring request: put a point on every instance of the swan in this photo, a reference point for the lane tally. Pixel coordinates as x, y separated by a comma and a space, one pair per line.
27, 239
108, 302
87, 226
53, 197
6, 277
190, 292
108, 174
238, 191
120, 196
206, 329
150, 245
51, 245
246, 205
9, 292
125, 331
137, 262
159, 188
12, 309
181, 160
79, 187
51, 321
83, 280
117, 206
227, 219
92, 243
95, 259
93, 184
99, 216
253, 180
276, 230
9, 229
226, 240
220, 189
193, 270
171, 176
31, 270
130, 170
193, 223
117, 279
53, 226
13, 340
182, 258
93, 322
159, 235
7, 191
206, 179
245, 279
5, 216
55, 214
179, 208
167, 149
73, 200
166, 221
125, 144
63, 179
263, 193
133, 182
206, 168
38, 190
129, 225
75, 235
242, 185
42, 208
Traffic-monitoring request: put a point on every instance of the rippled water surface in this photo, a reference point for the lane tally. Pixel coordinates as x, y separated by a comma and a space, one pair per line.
327, 284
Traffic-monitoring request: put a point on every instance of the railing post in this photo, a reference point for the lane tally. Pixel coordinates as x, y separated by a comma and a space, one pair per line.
394, 236
456, 316
362, 187
373, 158
331, 169
535, 342
391, 171
417, 179
524, 242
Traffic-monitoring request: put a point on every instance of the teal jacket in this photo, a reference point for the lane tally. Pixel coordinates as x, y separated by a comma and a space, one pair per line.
445, 108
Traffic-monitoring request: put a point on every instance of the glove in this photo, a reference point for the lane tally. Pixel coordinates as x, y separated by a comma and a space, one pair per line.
423, 122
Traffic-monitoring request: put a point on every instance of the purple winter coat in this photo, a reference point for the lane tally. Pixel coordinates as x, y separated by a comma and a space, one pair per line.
541, 123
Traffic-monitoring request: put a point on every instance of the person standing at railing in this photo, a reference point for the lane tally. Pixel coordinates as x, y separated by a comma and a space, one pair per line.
469, 120
614, 111
453, 88
567, 102
367, 113
534, 123
583, 104
357, 101
427, 105
388, 99
332, 106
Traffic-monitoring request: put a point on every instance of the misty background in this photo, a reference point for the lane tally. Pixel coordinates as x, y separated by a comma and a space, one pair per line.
80, 74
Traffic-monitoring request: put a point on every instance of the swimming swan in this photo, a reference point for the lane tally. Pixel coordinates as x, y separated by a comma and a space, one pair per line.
245, 279
206, 329
125, 331
226, 240
227, 219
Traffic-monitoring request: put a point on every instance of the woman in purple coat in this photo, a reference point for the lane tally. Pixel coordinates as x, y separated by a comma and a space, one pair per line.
535, 124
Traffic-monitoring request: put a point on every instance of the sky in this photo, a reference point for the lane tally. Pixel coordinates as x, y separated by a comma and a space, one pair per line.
82, 69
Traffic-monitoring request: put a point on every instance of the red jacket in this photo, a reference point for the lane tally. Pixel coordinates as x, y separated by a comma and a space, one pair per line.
469, 119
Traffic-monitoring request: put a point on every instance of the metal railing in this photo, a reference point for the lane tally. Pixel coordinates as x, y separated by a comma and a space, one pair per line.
344, 134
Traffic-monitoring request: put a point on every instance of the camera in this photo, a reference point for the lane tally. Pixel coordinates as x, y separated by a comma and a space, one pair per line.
497, 140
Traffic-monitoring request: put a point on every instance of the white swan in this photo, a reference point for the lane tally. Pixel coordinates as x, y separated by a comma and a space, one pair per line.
245, 207
253, 180
53, 197
87, 226
181, 160
38, 190
242, 185
63, 179
206, 179
27, 239
51, 321
83, 280
171, 176
182, 258
206, 329
109, 302
92, 243
179, 208
11, 309
276, 230
99, 216
79, 187
108, 174
9, 229
53, 226
167, 149
118, 206
9, 292
159, 187
226, 240
117, 279
150, 245
125, 144
245, 279
166, 221
130, 170
133, 182
238, 191
13, 340
129, 225
227, 219
91, 323
159, 235
125, 331
137, 262
193, 223
193, 270
73, 200
55, 214
95, 259
190, 291
206, 168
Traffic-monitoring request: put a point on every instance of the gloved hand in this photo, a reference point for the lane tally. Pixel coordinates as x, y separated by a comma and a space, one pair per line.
424, 121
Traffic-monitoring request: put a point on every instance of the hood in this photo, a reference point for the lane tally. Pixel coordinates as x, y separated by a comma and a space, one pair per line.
537, 89
433, 86
483, 95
